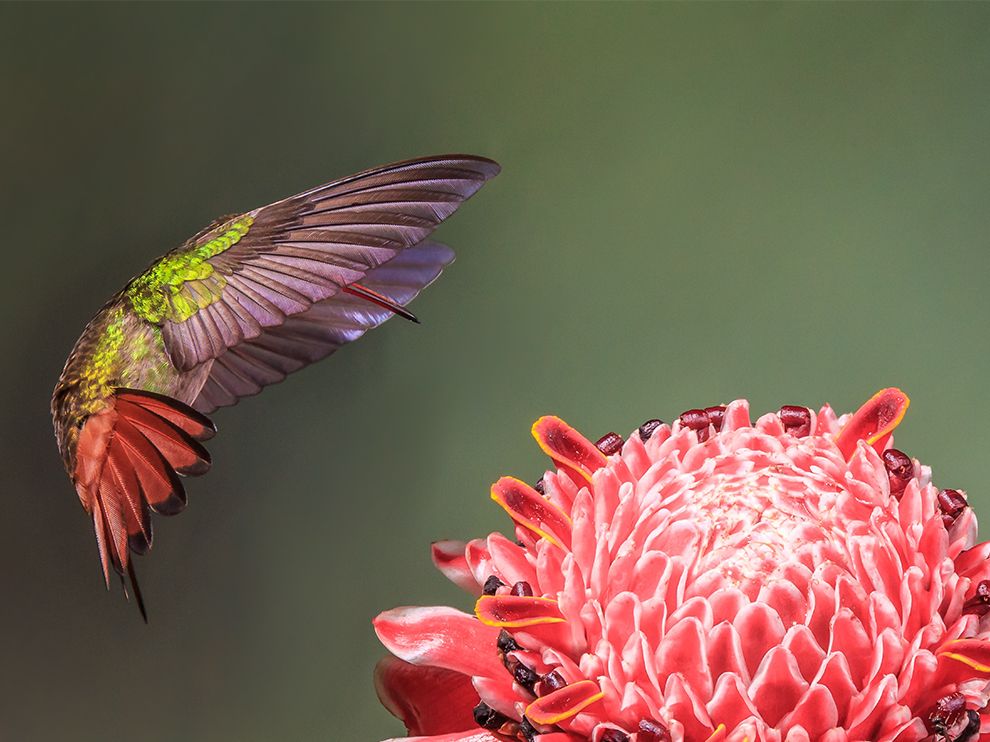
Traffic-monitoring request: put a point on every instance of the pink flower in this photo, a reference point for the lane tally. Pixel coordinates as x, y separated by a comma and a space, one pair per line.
792, 579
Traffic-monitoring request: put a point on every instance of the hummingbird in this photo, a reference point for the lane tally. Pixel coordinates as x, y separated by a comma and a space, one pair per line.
248, 300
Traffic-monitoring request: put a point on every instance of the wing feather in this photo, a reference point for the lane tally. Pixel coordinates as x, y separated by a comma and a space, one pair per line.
308, 337
280, 260
228, 324
263, 311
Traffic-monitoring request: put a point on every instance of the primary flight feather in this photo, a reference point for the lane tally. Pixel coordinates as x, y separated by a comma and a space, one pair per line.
248, 300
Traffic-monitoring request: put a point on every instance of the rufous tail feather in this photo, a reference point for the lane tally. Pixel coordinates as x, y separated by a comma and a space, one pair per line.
128, 460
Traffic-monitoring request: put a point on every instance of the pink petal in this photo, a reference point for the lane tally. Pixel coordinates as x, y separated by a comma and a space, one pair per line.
725, 652
683, 651
835, 676
509, 560
777, 686
514, 611
874, 421
442, 637
428, 700
688, 709
762, 629
479, 560
568, 448
530, 509
730, 703
499, 693
802, 645
563, 703
815, 713
449, 558
850, 638
784, 598
870, 708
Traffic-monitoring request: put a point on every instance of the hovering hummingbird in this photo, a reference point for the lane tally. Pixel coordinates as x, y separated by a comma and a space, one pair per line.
247, 301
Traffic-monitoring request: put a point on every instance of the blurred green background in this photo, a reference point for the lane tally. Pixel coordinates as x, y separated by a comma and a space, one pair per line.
698, 203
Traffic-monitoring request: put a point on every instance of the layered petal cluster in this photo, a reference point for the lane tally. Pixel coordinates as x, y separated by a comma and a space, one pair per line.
790, 579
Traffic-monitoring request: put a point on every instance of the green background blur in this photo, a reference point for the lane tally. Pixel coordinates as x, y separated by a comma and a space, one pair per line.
698, 203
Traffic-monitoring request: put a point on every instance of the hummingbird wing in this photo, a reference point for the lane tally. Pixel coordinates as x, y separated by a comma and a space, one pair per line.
241, 277
304, 338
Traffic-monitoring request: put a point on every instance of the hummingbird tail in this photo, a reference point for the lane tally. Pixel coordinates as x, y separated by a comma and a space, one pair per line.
128, 459
138, 598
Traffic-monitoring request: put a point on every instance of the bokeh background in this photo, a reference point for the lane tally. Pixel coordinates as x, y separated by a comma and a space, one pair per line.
698, 203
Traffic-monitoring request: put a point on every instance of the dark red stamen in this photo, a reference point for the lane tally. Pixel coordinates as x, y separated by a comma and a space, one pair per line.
522, 589
796, 420
488, 718
614, 735
715, 416
699, 420
694, 419
900, 469
525, 676
554, 680
540, 487
609, 443
492, 584
979, 604
647, 429
653, 731
951, 503
527, 731
948, 710
972, 730
506, 643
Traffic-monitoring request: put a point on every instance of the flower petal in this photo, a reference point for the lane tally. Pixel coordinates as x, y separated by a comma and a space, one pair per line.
816, 712
449, 557
512, 611
874, 421
760, 629
563, 703
442, 637
428, 700
777, 685
567, 447
963, 659
730, 704
530, 509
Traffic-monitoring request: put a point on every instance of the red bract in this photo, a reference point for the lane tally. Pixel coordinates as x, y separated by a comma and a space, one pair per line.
735, 581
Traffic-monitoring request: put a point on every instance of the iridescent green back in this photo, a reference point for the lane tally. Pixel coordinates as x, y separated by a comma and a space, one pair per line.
184, 281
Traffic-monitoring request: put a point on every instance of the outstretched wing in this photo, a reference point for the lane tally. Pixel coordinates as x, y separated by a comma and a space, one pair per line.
302, 339
252, 272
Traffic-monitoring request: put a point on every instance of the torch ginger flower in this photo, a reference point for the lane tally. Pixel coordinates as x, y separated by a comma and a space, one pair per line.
790, 580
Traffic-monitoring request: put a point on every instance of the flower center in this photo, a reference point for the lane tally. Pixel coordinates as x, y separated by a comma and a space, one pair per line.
747, 535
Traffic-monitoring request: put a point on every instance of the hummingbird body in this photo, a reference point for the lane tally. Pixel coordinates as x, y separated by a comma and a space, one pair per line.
122, 346
247, 301
117, 349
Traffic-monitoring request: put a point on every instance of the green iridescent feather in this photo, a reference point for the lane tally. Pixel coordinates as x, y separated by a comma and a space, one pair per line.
95, 376
183, 282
